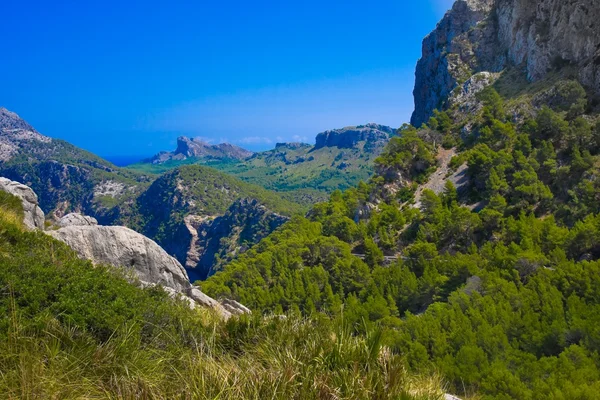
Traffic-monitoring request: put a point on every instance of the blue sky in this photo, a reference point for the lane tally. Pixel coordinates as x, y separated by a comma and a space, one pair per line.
127, 79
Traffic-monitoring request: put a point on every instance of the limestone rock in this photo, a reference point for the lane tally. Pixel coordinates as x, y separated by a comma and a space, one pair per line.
34, 216
234, 307
347, 138
123, 247
75, 219
192, 147
490, 35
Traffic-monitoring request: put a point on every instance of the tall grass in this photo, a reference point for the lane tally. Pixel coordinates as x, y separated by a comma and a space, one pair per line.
291, 358
72, 331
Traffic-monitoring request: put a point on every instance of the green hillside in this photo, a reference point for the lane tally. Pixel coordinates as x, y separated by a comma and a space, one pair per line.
303, 171
495, 284
70, 330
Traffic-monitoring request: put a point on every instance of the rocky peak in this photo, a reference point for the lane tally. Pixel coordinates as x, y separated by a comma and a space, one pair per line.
490, 35
349, 137
13, 132
198, 148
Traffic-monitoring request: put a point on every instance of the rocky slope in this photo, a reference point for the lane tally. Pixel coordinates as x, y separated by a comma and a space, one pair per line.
196, 148
215, 241
491, 35
197, 198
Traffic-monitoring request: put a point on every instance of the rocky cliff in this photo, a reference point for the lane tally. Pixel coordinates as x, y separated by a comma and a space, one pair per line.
347, 138
491, 35
196, 148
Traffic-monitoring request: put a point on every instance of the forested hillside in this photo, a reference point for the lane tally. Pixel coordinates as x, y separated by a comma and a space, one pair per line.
495, 284
70, 330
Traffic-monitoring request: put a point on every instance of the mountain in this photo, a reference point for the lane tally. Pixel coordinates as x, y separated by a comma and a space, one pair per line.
339, 159
197, 148
68, 179
475, 246
492, 35
65, 177
182, 205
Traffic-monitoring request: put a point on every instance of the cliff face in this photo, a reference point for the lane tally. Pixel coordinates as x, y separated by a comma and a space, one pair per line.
347, 138
490, 35
215, 241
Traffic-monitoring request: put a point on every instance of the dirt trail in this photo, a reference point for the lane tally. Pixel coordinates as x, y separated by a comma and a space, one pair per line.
438, 179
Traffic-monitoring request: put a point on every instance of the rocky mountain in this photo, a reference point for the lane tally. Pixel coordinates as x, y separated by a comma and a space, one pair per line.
339, 159
197, 148
374, 135
537, 37
65, 177
70, 179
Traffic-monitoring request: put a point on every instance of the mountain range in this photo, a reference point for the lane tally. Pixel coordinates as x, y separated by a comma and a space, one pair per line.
339, 159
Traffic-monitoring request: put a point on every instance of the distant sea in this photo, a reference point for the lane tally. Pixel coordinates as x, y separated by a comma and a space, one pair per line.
122, 161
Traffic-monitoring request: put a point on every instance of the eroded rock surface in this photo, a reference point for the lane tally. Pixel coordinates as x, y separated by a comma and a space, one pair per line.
490, 35
33, 214
120, 246
75, 219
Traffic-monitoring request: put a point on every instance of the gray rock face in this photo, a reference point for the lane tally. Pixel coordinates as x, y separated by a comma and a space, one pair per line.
191, 147
246, 222
34, 216
14, 132
347, 138
489, 35
75, 219
123, 247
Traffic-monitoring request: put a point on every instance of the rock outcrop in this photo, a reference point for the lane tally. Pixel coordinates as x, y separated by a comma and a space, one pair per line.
347, 138
75, 219
490, 35
33, 214
196, 148
123, 247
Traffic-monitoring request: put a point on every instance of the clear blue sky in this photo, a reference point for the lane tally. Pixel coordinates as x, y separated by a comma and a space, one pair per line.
128, 77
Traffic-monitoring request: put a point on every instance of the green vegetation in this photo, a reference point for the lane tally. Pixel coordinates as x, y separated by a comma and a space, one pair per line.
70, 330
496, 286
159, 212
298, 169
64, 175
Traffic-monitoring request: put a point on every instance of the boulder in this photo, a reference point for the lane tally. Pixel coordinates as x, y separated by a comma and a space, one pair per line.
123, 247
33, 214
